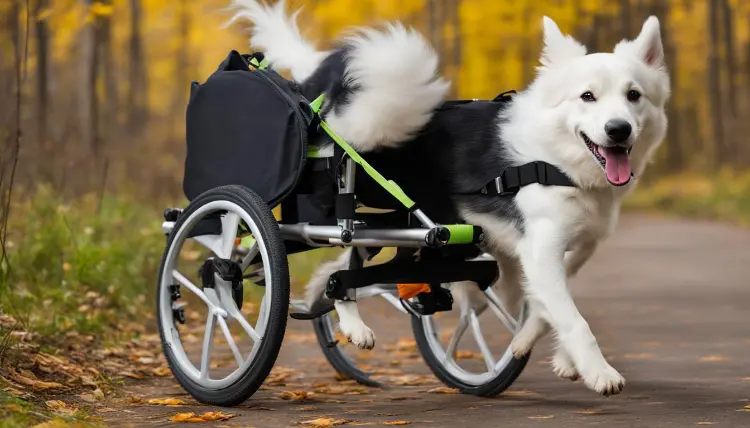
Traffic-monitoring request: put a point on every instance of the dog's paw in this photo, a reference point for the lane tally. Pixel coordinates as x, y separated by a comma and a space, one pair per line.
606, 381
533, 329
563, 367
359, 334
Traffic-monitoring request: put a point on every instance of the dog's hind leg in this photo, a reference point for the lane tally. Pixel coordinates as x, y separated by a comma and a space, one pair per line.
350, 322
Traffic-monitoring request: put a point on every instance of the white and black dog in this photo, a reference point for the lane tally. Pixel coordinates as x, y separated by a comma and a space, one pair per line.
597, 117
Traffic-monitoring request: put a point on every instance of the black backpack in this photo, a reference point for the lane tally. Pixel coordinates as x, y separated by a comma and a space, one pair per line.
246, 125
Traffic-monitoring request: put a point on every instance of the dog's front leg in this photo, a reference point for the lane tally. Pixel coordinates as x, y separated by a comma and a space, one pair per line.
542, 251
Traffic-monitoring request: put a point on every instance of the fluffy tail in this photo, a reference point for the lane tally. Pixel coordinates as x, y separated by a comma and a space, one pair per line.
276, 34
388, 86
392, 76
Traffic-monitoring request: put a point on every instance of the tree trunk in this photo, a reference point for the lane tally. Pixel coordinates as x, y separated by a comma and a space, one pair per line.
729, 61
714, 85
137, 91
626, 20
87, 97
41, 29
183, 62
106, 55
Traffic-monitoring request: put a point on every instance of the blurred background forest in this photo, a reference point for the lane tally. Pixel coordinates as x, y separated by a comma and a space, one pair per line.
93, 96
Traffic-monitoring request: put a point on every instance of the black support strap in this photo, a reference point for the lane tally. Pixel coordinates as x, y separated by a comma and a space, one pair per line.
514, 178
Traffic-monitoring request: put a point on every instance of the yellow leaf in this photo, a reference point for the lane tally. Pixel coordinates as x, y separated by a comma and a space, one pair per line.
397, 423
324, 422
101, 9
713, 359
542, 417
166, 401
161, 371
293, 395
641, 356
182, 417
443, 390
60, 407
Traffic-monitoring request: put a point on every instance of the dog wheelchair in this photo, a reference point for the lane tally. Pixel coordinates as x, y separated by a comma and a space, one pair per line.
253, 143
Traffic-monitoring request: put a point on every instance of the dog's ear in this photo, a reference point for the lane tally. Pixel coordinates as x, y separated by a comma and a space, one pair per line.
647, 46
558, 48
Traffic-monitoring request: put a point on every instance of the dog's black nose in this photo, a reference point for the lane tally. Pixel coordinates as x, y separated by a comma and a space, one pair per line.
618, 130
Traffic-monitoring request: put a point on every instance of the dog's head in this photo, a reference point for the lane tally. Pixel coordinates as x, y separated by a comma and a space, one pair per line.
608, 106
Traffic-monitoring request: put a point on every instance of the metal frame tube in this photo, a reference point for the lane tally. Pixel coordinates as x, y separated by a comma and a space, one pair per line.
304, 232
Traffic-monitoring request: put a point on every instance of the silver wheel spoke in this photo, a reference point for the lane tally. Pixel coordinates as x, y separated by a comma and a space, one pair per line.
489, 361
499, 310
230, 342
190, 286
227, 302
450, 351
229, 223
251, 253
208, 342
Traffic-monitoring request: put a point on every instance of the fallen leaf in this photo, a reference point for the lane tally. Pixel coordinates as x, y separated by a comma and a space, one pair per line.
161, 371
713, 359
205, 417
182, 417
589, 412
746, 407
137, 400
28, 379
397, 423
89, 398
166, 401
293, 395
98, 394
60, 407
641, 356
443, 390
132, 375
305, 408
542, 417
746, 379
468, 355
324, 422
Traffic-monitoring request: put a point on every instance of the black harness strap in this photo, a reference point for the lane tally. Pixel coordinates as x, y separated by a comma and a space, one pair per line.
514, 178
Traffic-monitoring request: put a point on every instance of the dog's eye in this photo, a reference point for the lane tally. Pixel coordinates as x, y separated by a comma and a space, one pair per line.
588, 97
633, 96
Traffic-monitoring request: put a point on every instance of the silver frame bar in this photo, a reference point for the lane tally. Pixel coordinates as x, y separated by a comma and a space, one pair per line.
363, 237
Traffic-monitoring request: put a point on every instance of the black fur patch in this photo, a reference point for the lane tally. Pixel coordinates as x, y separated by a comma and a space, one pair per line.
459, 151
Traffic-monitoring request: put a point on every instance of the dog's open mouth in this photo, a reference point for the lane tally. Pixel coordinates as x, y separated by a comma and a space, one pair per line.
614, 160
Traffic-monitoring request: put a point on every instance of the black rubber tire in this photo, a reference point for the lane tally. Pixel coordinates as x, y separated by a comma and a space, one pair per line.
336, 356
490, 389
265, 358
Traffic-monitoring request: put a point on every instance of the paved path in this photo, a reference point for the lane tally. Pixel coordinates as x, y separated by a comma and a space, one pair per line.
669, 302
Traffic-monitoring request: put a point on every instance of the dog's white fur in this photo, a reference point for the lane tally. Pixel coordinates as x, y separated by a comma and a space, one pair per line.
395, 68
561, 225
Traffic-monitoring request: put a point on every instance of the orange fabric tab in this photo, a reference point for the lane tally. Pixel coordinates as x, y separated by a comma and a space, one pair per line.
407, 291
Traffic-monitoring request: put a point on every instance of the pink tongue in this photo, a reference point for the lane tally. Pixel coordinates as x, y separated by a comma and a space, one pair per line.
618, 164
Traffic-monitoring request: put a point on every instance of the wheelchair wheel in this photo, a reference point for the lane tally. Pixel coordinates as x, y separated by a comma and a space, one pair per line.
206, 284
472, 367
341, 362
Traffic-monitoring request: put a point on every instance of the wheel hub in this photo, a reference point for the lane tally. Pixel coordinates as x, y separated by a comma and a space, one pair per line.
227, 270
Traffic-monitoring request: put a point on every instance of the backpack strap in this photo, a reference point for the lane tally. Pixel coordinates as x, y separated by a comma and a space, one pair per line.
514, 178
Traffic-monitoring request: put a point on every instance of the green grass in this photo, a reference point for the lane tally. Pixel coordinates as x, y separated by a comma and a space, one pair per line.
18, 413
79, 266
724, 196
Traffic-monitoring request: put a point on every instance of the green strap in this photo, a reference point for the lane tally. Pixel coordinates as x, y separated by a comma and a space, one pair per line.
259, 65
389, 185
